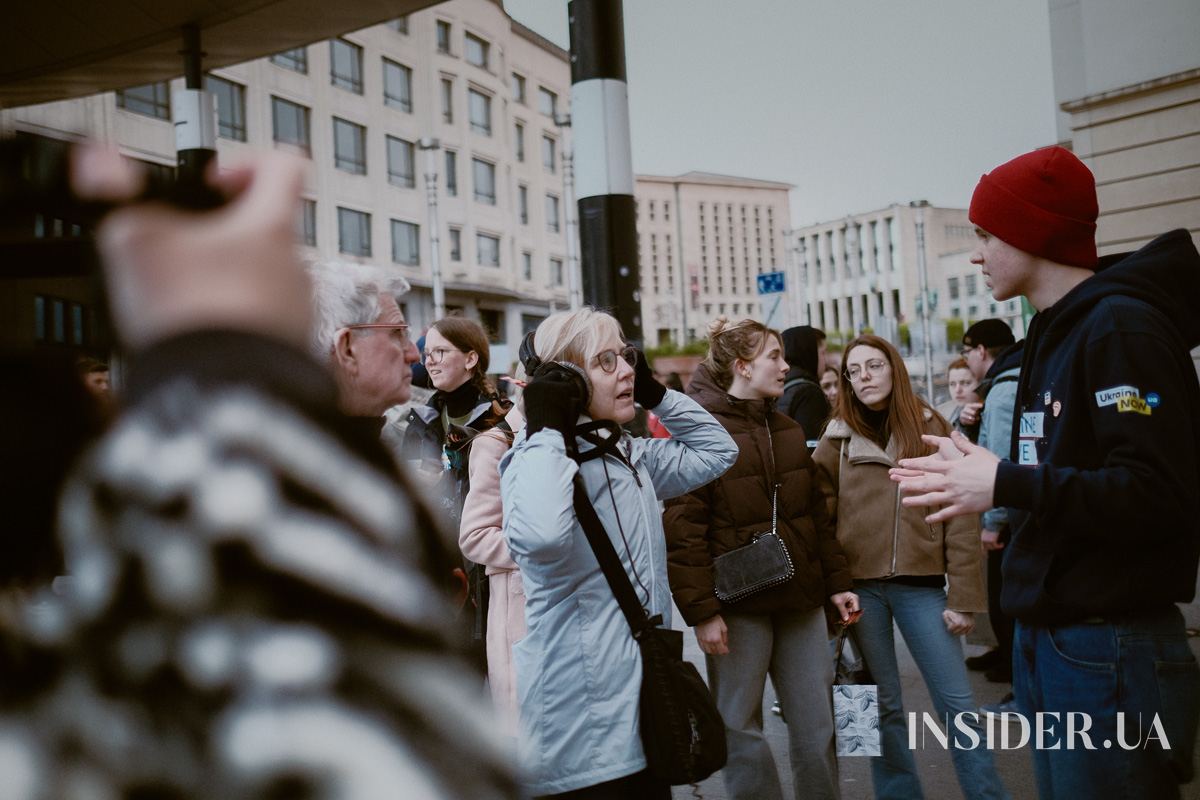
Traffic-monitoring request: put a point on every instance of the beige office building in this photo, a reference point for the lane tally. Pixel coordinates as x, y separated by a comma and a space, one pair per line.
461, 72
862, 272
1127, 84
731, 230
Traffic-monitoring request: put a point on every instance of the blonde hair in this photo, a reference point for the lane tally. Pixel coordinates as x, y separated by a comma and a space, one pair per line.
575, 336
730, 341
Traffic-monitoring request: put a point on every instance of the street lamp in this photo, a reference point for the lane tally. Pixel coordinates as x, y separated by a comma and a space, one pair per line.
563, 121
430, 146
919, 207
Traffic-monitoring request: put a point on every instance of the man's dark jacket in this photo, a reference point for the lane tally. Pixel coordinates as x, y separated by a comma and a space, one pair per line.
803, 399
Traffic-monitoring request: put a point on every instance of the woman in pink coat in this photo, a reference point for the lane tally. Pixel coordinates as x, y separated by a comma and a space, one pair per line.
481, 541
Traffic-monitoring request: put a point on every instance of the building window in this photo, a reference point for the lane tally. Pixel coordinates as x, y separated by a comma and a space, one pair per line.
548, 148
153, 100
547, 101
556, 271
349, 146
451, 173
488, 249
517, 86
972, 285
231, 107
307, 230
552, 223
447, 100
401, 157
484, 174
345, 65
406, 243
523, 203
290, 121
399, 24
295, 60
519, 137
456, 244
479, 109
527, 266
493, 323
397, 85
354, 232
952, 286
477, 51
443, 37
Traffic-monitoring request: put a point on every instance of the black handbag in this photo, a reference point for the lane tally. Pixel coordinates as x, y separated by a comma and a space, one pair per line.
763, 563
682, 732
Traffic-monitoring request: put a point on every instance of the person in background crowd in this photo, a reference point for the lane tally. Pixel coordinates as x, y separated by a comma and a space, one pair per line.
481, 539
961, 382
437, 439
925, 579
578, 667
994, 359
829, 385
779, 631
803, 398
257, 605
1101, 485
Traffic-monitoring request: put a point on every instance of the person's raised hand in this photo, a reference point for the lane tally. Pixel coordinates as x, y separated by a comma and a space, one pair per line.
171, 271
647, 391
961, 477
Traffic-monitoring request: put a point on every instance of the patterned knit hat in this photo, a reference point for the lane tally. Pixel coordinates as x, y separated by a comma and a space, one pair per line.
1044, 203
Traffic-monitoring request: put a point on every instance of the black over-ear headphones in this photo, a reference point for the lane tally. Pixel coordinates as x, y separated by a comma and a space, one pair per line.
535, 367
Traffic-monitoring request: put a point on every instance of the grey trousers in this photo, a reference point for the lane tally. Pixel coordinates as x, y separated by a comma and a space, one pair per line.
793, 649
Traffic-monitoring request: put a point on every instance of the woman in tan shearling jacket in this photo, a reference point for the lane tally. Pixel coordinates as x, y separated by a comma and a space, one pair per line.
927, 579
481, 540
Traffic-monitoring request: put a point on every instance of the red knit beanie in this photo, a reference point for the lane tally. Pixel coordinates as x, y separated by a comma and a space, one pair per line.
1044, 203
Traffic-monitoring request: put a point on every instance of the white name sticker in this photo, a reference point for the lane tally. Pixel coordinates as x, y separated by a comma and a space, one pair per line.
1027, 453
1032, 424
1109, 397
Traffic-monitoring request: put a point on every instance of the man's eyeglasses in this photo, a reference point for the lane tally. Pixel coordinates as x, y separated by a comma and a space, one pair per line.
873, 368
435, 356
398, 329
608, 359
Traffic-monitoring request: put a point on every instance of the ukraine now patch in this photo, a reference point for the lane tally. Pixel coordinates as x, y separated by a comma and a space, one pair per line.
1134, 404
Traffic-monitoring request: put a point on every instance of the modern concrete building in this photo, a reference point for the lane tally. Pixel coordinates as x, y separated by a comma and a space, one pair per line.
731, 230
462, 73
1127, 84
862, 272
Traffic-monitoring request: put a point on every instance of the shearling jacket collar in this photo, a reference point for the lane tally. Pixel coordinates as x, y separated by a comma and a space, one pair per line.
860, 448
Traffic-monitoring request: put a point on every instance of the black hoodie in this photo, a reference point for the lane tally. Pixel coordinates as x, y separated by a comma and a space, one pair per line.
1105, 466
803, 399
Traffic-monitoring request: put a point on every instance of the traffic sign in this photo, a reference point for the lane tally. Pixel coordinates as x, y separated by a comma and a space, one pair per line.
770, 283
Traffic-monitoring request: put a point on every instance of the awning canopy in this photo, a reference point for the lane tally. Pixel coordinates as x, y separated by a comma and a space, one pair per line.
58, 49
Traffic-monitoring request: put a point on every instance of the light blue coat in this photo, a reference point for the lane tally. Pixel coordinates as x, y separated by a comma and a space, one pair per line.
578, 668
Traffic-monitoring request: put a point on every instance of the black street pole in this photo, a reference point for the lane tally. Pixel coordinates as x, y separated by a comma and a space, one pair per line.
604, 163
195, 115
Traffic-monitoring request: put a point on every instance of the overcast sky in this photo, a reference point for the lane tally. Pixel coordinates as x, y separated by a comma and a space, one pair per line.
859, 103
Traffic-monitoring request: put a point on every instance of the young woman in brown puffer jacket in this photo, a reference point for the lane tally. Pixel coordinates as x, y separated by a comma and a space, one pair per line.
780, 631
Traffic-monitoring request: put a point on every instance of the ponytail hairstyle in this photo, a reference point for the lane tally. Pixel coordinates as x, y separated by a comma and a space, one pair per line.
469, 336
730, 341
905, 412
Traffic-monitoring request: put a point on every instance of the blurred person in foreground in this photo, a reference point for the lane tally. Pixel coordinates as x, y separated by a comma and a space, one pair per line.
1101, 488
579, 669
256, 606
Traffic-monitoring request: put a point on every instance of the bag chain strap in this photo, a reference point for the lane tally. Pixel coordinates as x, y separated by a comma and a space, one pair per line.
774, 479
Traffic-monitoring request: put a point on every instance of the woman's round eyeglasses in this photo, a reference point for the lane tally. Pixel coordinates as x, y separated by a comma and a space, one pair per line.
436, 355
873, 368
608, 359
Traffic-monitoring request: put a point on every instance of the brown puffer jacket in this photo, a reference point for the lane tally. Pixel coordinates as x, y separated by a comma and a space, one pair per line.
725, 514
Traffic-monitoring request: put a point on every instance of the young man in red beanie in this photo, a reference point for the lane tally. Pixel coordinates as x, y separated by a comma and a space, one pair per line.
1103, 485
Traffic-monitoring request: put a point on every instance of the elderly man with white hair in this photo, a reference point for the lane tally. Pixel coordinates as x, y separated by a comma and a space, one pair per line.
359, 332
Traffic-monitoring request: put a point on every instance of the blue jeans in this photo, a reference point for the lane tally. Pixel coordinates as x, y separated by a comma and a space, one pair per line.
917, 610
1137, 665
